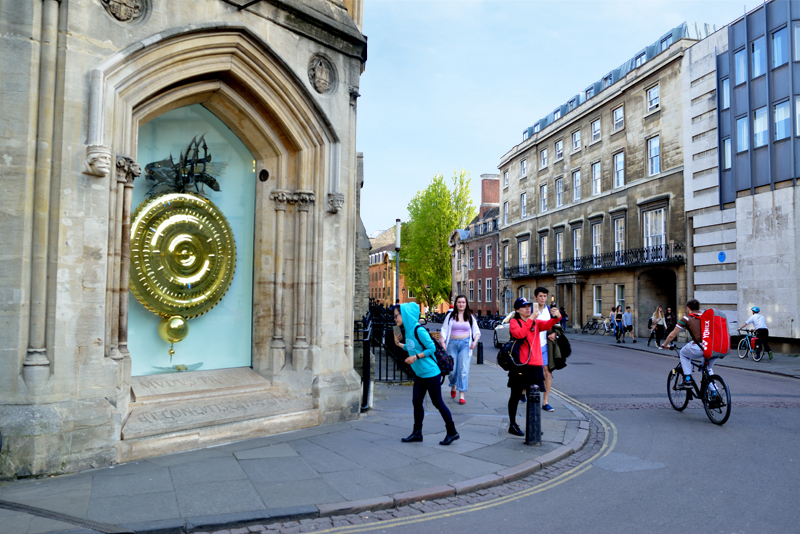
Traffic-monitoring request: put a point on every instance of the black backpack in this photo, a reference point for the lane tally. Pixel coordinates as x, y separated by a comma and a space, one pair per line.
508, 358
443, 360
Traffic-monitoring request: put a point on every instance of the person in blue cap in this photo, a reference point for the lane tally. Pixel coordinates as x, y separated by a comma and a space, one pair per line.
421, 348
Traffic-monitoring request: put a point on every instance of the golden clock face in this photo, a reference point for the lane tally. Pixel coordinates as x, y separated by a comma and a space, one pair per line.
183, 255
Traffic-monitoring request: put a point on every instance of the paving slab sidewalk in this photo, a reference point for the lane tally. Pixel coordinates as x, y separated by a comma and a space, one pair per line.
321, 471
781, 364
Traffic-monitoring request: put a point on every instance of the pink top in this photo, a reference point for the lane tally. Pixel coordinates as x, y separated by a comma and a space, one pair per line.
460, 329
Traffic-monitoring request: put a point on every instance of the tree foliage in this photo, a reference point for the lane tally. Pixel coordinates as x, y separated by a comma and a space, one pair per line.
434, 213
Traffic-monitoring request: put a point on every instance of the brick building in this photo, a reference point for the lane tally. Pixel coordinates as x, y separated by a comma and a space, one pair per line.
382, 288
591, 200
474, 252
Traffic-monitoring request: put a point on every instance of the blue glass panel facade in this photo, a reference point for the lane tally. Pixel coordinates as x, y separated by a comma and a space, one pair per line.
758, 80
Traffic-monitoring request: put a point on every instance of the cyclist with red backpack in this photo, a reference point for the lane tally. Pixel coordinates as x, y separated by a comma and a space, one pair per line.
694, 348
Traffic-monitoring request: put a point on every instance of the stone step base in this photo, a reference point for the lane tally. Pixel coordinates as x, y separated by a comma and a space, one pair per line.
172, 387
215, 434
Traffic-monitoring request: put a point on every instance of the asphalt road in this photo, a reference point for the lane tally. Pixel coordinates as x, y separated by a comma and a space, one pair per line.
665, 471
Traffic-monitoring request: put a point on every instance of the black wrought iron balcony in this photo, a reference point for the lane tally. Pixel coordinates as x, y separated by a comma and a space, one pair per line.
633, 257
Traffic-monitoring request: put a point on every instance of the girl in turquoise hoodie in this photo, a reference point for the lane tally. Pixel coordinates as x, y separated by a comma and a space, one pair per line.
421, 348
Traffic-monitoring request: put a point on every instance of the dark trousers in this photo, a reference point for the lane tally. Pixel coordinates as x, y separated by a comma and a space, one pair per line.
433, 387
658, 333
763, 336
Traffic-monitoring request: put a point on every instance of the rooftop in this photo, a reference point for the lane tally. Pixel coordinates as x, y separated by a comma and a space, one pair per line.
684, 31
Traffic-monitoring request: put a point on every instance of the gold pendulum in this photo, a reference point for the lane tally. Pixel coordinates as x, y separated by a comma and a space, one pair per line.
171, 352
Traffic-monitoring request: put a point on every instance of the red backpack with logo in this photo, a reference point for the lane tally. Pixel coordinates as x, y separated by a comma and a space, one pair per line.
715, 339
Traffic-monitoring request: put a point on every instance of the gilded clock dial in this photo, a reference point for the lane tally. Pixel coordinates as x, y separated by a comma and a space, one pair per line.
183, 255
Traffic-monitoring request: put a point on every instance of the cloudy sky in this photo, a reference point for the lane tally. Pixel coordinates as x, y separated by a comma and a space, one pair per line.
452, 84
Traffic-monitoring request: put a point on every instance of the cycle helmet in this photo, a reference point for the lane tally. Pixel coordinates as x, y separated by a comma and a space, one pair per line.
755, 309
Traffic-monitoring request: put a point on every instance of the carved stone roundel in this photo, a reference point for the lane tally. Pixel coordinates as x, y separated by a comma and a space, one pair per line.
322, 75
125, 10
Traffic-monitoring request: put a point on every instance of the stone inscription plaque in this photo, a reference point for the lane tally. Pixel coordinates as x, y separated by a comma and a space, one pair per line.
175, 386
152, 419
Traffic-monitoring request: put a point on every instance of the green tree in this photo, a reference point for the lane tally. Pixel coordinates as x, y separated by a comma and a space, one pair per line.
434, 213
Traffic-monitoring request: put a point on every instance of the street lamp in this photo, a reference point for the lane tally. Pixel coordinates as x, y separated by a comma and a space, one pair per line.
397, 258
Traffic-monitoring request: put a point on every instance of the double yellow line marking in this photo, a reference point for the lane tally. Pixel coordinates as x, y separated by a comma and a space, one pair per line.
609, 442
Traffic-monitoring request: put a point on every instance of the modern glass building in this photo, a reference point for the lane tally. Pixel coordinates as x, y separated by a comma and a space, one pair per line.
758, 81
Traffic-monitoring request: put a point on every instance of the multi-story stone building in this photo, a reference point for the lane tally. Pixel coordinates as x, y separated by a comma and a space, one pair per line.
741, 163
180, 189
592, 200
475, 272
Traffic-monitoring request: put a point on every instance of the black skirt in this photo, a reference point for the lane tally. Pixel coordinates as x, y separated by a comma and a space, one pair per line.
526, 376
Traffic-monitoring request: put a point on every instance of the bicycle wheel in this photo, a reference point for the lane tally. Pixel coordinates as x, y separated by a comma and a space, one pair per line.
717, 400
744, 348
758, 352
595, 327
585, 329
679, 398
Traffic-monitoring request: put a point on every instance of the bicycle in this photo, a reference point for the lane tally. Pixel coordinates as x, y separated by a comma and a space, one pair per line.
590, 325
607, 327
746, 346
713, 391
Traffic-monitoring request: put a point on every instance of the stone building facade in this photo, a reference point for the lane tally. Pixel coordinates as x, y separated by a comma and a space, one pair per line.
741, 102
474, 256
99, 100
591, 201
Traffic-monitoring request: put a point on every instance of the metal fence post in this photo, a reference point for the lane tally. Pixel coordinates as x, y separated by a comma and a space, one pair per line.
480, 352
366, 368
533, 418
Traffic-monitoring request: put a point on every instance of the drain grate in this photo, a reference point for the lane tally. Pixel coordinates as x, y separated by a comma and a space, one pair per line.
64, 518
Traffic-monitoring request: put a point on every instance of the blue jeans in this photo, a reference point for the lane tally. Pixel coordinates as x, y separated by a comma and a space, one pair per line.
459, 350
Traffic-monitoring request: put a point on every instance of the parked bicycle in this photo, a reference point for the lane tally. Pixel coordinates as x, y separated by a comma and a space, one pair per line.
713, 392
606, 327
750, 345
590, 326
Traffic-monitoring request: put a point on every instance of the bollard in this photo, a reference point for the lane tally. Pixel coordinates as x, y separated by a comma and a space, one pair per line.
480, 352
533, 417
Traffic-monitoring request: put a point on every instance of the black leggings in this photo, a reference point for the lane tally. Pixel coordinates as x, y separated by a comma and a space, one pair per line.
658, 333
432, 386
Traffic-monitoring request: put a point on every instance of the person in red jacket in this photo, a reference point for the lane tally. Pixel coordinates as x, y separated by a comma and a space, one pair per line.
523, 326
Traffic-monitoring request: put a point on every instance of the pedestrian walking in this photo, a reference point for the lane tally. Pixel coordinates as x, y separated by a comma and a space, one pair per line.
759, 324
421, 348
618, 322
658, 325
542, 313
669, 317
564, 318
460, 334
627, 324
524, 326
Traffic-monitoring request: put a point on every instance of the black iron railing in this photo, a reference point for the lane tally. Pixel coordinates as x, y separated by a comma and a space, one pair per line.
633, 257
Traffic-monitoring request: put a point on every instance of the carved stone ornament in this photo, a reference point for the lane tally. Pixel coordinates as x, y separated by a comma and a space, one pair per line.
321, 74
303, 199
335, 202
125, 10
127, 170
97, 161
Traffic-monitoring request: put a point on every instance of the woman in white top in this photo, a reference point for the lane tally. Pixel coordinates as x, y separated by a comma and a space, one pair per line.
658, 325
460, 334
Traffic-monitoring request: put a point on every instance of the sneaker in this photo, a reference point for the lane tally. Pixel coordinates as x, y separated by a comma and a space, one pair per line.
634, 341
618, 341
548, 408
623, 341
686, 384
770, 355
523, 399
